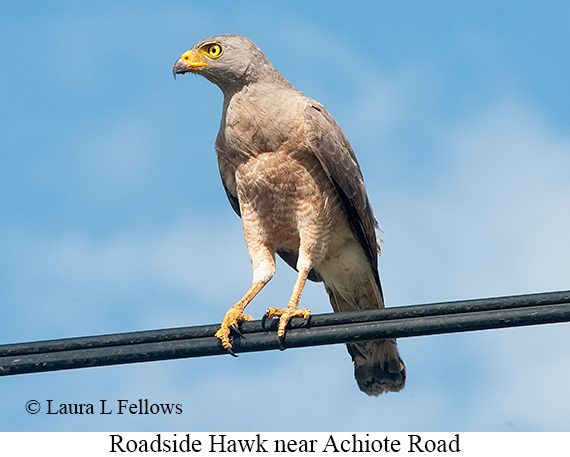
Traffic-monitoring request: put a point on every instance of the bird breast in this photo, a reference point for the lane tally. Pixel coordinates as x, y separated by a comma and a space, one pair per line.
287, 196
254, 123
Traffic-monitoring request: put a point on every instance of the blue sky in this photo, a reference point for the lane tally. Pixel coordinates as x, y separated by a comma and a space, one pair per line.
113, 219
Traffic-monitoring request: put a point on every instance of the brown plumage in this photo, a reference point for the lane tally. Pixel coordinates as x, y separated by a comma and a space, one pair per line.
292, 176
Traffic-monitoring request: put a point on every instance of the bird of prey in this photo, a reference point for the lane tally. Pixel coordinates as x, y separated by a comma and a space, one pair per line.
290, 173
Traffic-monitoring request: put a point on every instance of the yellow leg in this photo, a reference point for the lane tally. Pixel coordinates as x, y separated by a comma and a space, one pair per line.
285, 314
235, 316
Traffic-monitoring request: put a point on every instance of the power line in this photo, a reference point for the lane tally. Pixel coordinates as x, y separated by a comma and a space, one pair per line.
199, 341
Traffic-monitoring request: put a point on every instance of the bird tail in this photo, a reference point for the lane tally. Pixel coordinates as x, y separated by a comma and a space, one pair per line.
378, 367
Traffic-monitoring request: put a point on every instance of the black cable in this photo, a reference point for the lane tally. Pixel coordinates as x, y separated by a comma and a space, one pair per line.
398, 322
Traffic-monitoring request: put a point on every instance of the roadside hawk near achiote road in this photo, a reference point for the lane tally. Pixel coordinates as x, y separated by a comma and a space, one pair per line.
292, 176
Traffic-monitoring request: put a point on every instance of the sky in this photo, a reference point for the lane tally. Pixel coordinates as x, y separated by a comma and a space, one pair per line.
113, 218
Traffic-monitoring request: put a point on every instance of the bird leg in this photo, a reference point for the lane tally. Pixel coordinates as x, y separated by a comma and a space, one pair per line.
285, 314
235, 316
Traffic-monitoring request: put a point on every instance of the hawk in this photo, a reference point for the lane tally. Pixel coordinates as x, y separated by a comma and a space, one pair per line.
291, 175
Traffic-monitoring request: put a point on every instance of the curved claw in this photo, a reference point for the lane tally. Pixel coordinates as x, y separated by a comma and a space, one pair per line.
281, 340
229, 325
264, 320
231, 351
236, 329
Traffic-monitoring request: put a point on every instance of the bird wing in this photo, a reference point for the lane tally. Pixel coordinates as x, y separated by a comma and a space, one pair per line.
331, 147
232, 198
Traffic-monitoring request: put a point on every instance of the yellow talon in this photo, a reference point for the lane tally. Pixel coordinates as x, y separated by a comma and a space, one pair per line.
285, 315
233, 318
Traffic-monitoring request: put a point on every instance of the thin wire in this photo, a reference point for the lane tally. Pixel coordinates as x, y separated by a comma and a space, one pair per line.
334, 328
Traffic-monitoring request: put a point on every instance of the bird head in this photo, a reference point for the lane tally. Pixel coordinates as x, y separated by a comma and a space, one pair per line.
229, 61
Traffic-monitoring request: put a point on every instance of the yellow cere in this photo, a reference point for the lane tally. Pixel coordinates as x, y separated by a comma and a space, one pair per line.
192, 59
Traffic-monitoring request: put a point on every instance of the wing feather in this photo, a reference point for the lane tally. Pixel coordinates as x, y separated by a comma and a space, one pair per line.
331, 147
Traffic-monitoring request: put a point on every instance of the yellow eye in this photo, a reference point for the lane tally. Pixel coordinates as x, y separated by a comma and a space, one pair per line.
214, 50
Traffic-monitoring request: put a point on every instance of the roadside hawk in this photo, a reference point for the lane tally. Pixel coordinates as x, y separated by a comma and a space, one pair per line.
290, 173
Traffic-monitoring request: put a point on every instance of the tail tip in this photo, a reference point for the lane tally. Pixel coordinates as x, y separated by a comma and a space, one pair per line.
379, 377
378, 367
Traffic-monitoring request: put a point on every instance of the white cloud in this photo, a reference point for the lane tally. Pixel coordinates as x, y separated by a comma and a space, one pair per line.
529, 370
91, 280
511, 197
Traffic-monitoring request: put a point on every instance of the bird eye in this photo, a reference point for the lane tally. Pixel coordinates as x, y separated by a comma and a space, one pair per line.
214, 50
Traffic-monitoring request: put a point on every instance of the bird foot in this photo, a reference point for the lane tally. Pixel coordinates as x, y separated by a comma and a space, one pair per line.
231, 321
285, 315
